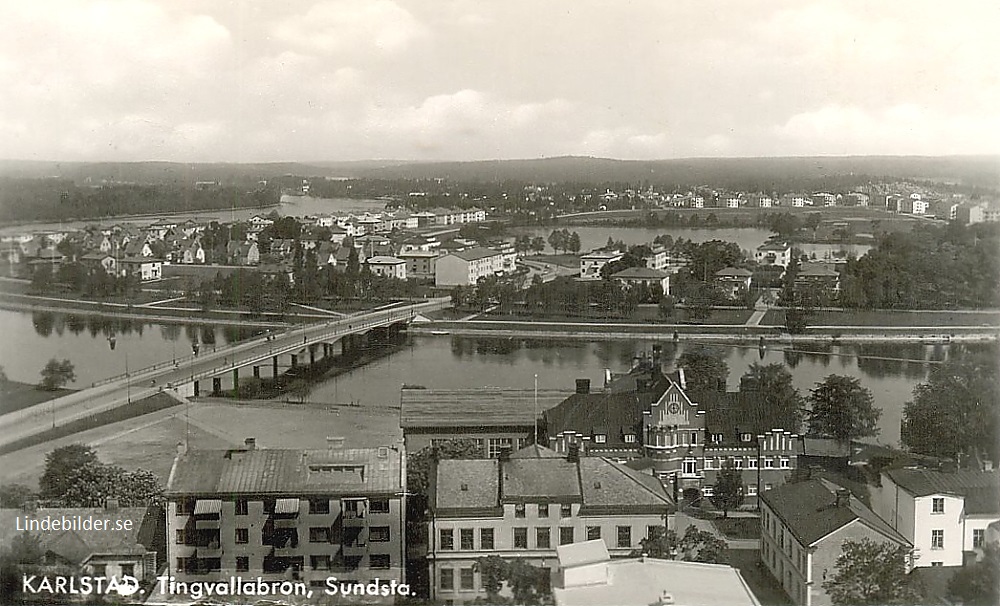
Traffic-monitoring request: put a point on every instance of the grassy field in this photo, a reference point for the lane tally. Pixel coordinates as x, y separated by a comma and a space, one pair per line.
15, 396
738, 528
890, 318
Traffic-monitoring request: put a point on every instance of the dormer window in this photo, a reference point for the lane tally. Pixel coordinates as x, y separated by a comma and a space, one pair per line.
717, 438
745, 437
630, 438
600, 438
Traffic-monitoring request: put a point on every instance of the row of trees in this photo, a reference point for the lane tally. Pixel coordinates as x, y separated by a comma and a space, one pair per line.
564, 240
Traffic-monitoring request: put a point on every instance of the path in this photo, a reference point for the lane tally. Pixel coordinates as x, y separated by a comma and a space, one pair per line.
759, 309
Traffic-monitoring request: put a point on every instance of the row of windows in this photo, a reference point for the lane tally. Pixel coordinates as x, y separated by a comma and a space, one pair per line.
376, 561
749, 490
751, 462
316, 506
467, 578
542, 510
320, 534
543, 537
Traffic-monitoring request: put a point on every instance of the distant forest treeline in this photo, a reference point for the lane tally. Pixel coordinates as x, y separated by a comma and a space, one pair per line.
60, 200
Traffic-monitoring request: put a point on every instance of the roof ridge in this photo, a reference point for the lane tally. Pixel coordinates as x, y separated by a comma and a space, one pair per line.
622, 470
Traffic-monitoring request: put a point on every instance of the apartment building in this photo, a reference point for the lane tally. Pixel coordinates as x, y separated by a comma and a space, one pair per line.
803, 529
465, 268
524, 505
287, 514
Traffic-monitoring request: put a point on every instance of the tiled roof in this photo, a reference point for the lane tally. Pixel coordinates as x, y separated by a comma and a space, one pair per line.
809, 511
531, 479
735, 412
482, 406
641, 273
923, 482
819, 270
273, 471
733, 272
469, 483
612, 484
535, 451
612, 414
474, 254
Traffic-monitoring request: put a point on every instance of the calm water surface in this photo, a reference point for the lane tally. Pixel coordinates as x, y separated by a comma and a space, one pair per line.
31, 339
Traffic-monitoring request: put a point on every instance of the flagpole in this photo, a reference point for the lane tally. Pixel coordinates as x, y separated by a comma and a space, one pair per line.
536, 409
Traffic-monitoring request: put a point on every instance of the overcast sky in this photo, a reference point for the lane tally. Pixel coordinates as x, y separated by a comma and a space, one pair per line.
304, 80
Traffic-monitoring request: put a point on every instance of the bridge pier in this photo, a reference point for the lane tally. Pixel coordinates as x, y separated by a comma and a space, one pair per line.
197, 389
216, 385
312, 354
236, 382
295, 361
326, 350
274, 367
256, 371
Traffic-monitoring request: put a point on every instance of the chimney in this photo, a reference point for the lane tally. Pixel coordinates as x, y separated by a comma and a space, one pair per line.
583, 386
573, 453
111, 504
250, 443
680, 375
334, 443
843, 497
383, 452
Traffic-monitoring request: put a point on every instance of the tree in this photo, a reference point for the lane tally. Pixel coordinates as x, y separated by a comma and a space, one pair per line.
704, 367
665, 306
978, 584
574, 243
694, 546
954, 414
842, 409
778, 397
62, 466
95, 483
15, 495
871, 573
797, 319
418, 465
728, 491
56, 374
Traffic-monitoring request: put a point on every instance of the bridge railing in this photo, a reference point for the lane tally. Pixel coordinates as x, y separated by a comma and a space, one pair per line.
352, 323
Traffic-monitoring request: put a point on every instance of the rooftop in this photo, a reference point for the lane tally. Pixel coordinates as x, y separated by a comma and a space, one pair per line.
981, 488
641, 273
78, 546
810, 512
474, 254
480, 406
733, 272
274, 471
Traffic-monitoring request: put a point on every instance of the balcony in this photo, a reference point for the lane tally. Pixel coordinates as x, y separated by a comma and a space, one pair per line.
286, 523
206, 523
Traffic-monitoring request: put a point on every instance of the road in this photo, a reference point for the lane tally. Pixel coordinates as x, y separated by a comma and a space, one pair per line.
546, 271
123, 390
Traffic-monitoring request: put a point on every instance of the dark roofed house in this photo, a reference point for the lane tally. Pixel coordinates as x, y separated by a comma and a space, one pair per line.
803, 528
496, 418
525, 507
287, 514
652, 278
731, 280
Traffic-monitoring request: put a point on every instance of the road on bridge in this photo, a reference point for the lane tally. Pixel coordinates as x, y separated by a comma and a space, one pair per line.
123, 390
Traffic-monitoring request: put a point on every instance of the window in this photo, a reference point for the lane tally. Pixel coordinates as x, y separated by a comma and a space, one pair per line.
978, 537
467, 539
446, 539
242, 507
179, 536
319, 506
707, 491
495, 445
543, 539
185, 507
690, 467
745, 437
566, 535
486, 538
752, 463
319, 562
600, 438
243, 563
593, 532
708, 463
651, 531
543, 510
937, 563
566, 510
519, 509
630, 438
694, 438
128, 570
784, 463
717, 438
751, 490
269, 506
624, 536
378, 505
768, 487
768, 463
242, 536
937, 539
378, 534
447, 579
467, 579
520, 538
181, 564
379, 561
937, 505
738, 462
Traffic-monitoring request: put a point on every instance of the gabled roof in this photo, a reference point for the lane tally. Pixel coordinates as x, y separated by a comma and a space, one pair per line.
467, 484
79, 545
774, 246
474, 254
735, 412
923, 482
733, 272
640, 273
610, 414
534, 479
809, 510
535, 451
273, 471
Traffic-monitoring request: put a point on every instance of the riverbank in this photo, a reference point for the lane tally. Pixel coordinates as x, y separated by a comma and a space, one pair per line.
15, 395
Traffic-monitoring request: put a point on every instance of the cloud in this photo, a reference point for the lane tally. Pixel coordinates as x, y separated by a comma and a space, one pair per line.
351, 26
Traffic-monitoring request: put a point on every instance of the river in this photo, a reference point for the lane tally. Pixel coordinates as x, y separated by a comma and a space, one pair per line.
748, 238
889, 371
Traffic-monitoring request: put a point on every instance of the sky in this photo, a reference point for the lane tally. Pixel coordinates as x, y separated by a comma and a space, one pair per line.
332, 80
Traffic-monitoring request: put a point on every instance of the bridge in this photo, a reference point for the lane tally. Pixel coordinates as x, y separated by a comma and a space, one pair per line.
267, 356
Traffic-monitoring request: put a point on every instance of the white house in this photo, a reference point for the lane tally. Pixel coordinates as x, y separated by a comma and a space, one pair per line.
943, 514
467, 267
592, 263
390, 267
774, 253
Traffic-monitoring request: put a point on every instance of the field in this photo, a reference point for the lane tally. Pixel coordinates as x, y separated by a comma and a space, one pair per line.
15, 396
150, 441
